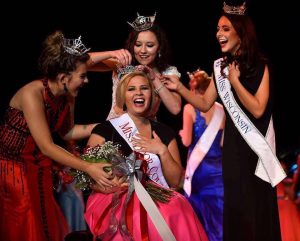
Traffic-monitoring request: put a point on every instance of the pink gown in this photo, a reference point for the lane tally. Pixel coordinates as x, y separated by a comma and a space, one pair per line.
178, 213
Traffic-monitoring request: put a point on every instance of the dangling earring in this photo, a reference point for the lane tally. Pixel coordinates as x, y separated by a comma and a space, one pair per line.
159, 54
65, 88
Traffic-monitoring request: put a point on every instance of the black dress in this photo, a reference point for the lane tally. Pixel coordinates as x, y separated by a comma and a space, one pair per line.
250, 204
109, 133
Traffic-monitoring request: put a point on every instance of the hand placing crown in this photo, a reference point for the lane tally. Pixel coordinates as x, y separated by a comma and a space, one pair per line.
142, 23
238, 10
121, 71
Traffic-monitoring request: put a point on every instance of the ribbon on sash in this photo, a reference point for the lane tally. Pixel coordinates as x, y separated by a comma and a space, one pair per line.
202, 146
268, 167
127, 129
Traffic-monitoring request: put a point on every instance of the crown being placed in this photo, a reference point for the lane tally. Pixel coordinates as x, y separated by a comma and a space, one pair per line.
239, 10
125, 70
142, 23
75, 46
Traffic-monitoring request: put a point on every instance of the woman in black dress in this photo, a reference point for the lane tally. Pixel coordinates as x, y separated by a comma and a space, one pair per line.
250, 167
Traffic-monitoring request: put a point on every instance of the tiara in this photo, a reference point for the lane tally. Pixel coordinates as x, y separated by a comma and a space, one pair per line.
121, 71
74, 46
142, 23
239, 10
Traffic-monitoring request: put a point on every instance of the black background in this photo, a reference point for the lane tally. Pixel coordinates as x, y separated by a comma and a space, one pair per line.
191, 28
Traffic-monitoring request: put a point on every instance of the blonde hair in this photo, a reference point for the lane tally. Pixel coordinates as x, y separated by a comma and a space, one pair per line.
121, 89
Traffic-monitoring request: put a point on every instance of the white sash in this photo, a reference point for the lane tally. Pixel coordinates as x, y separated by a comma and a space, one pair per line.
127, 129
203, 145
268, 167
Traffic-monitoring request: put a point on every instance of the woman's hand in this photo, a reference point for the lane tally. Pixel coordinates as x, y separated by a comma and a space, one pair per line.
193, 74
234, 73
123, 56
172, 82
144, 144
101, 177
150, 72
120, 185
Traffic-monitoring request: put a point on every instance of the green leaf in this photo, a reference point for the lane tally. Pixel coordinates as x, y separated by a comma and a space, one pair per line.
94, 160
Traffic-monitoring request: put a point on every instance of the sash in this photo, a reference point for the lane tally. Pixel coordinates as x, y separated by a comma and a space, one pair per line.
202, 146
268, 167
127, 129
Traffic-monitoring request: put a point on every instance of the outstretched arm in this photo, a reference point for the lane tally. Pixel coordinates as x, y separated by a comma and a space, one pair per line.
202, 102
32, 105
79, 132
107, 60
171, 99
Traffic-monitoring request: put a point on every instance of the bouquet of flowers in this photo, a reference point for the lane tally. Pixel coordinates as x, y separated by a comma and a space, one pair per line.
96, 154
121, 166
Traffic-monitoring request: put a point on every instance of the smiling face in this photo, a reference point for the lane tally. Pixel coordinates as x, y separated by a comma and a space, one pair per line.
146, 48
77, 79
227, 36
138, 96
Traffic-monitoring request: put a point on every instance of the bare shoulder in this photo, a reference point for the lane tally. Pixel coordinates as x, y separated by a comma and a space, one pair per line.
35, 86
189, 108
32, 90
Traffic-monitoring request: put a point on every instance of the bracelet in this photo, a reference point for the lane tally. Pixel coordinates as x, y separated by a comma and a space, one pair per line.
159, 88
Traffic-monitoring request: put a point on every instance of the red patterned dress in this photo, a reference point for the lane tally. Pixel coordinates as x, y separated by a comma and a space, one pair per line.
28, 210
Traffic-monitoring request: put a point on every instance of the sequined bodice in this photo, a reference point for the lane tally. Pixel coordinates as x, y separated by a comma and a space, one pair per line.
198, 129
15, 137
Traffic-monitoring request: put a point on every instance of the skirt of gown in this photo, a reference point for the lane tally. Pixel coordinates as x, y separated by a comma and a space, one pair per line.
288, 214
28, 210
178, 214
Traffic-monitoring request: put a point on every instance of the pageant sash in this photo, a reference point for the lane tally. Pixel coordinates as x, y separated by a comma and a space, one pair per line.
202, 146
127, 129
268, 167
156, 217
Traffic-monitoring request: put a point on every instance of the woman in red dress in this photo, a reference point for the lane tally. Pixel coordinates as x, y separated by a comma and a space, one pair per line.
28, 210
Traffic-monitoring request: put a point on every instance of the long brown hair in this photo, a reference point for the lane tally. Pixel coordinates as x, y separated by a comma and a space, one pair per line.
161, 61
249, 52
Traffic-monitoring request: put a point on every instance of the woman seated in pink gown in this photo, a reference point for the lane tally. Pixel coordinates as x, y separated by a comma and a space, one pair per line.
133, 131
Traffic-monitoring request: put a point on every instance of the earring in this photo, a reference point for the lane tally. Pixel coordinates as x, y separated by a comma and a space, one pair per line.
159, 54
65, 88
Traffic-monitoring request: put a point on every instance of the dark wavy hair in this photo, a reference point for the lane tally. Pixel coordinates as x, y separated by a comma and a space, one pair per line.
162, 62
55, 60
249, 52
